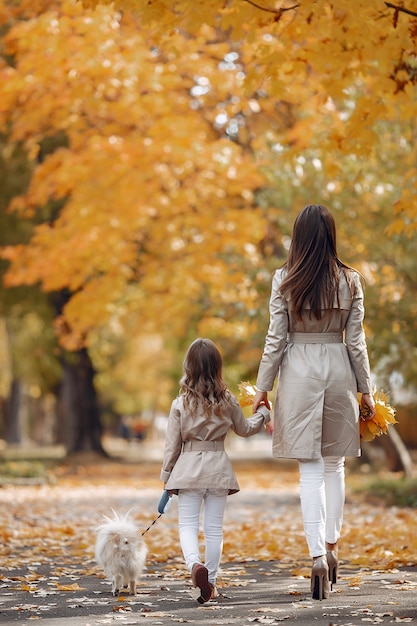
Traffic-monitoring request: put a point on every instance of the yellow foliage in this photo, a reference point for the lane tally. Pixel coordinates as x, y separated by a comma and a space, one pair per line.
149, 188
378, 425
247, 393
163, 109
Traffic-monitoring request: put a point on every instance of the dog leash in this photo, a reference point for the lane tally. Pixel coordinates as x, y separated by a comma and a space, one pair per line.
163, 506
154, 522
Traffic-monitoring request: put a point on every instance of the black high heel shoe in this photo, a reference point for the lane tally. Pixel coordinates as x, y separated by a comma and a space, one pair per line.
333, 563
320, 579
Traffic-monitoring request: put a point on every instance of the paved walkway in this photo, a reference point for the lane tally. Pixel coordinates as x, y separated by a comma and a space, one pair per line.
69, 591
259, 593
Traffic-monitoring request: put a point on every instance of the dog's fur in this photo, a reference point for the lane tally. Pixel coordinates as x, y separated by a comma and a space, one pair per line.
121, 551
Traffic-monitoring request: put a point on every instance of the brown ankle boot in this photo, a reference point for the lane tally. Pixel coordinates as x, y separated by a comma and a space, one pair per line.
199, 576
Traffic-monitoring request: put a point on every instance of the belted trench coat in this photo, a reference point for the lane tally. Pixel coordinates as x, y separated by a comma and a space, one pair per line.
320, 365
194, 455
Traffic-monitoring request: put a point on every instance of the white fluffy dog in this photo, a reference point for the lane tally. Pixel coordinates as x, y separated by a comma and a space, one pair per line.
121, 552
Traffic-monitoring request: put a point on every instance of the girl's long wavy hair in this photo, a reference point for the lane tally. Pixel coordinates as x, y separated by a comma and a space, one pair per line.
202, 383
313, 267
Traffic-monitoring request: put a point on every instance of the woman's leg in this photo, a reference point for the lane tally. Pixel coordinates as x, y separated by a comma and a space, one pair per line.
334, 481
189, 505
313, 504
213, 530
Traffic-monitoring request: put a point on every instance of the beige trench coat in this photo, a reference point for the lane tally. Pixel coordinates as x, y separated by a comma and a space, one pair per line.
207, 465
316, 410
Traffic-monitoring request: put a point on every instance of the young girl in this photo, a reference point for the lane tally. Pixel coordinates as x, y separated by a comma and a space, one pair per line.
196, 466
316, 343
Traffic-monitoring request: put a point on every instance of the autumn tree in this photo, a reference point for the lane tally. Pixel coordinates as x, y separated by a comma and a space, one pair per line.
125, 177
29, 368
174, 117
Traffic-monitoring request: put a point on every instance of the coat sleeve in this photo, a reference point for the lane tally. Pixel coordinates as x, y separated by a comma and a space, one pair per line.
173, 442
276, 338
356, 342
252, 425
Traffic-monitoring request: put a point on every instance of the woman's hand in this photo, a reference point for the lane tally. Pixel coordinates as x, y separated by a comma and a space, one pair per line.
367, 403
261, 397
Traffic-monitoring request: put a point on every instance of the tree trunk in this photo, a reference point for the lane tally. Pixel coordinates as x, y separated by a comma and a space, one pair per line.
12, 414
397, 455
65, 407
89, 429
79, 424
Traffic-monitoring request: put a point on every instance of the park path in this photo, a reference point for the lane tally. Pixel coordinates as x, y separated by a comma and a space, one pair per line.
47, 568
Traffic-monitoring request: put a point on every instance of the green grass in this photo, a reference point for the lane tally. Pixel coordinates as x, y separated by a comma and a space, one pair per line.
391, 491
22, 469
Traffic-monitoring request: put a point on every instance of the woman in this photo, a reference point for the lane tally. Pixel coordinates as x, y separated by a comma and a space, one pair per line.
316, 343
196, 466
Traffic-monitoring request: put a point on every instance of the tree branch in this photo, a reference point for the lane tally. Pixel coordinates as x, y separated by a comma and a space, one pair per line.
399, 9
277, 12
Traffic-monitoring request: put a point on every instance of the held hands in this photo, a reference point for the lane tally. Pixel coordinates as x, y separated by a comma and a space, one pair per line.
261, 397
368, 404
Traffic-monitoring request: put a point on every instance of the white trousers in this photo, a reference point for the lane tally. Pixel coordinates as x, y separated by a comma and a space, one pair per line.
322, 494
189, 507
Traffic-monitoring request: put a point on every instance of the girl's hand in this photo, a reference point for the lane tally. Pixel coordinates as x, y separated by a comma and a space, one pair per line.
367, 403
261, 397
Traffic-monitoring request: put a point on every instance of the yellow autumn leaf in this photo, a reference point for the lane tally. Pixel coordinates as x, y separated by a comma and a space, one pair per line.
247, 393
73, 587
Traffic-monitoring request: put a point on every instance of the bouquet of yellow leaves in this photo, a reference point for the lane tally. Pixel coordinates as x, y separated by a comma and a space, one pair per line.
247, 393
378, 425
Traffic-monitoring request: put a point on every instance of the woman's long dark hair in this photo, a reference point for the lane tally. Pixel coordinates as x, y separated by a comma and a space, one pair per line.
313, 267
202, 383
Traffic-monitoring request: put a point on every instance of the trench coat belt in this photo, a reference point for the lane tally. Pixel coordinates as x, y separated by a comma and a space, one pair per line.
315, 338
202, 446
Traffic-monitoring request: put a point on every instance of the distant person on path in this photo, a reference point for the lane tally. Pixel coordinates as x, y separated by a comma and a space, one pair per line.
316, 346
196, 466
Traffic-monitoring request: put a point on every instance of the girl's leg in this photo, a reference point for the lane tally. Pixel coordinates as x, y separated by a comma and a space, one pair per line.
213, 530
334, 481
313, 504
189, 505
